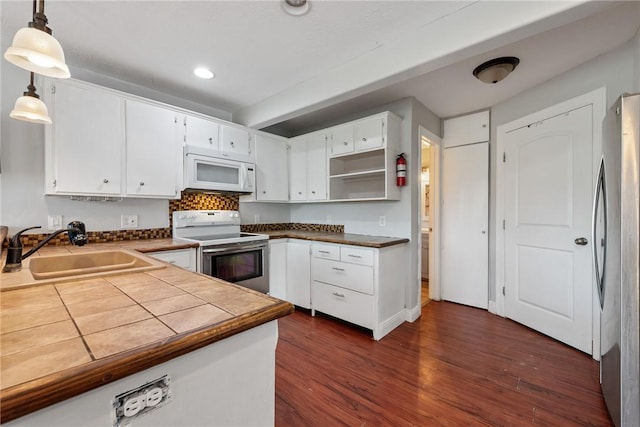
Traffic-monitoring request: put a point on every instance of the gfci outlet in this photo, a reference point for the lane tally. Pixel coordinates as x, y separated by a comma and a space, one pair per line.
141, 400
382, 221
129, 221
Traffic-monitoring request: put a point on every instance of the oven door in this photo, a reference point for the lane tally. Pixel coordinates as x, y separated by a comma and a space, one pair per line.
245, 264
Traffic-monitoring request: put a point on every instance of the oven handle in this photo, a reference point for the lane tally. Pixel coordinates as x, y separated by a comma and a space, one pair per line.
233, 249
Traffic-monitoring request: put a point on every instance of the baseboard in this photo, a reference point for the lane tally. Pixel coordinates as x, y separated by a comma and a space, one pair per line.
413, 314
388, 325
493, 307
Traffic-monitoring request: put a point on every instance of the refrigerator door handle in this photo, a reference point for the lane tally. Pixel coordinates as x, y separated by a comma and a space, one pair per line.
600, 199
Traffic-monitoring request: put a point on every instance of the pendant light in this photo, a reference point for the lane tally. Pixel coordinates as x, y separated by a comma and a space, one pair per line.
36, 50
30, 108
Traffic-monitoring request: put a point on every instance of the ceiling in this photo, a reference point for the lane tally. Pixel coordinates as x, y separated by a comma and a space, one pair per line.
341, 57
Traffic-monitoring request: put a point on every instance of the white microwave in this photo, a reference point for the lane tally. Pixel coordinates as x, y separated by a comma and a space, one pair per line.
205, 170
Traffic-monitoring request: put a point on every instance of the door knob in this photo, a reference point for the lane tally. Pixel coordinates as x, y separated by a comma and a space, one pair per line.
582, 241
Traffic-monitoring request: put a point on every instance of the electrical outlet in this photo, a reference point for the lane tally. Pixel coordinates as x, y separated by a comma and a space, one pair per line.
140, 401
382, 221
54, 222
256, 218
129, 221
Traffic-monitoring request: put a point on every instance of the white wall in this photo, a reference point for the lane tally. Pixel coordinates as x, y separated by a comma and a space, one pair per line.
257, 212
636, 72
613, 70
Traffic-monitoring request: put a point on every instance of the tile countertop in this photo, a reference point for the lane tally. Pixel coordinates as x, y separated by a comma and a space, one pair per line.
59, 340
340, 238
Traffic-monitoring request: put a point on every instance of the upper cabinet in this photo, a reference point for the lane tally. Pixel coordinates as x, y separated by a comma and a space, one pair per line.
84, 145
341, 138
308, 168
271, 169
152, 150
469, 129
200, 132
234, 141
368, 171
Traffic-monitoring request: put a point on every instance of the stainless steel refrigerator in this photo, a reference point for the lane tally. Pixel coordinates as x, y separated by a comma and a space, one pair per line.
616, 258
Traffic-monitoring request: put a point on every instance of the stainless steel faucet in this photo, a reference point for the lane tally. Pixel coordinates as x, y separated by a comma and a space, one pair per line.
77, 236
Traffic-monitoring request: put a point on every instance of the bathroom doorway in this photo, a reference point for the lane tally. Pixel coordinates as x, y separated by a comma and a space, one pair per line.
429, 216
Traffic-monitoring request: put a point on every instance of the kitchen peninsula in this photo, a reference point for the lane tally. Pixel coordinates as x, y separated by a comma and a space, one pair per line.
70, 346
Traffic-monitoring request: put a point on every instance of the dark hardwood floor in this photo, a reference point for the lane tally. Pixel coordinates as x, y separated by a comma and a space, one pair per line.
455, 366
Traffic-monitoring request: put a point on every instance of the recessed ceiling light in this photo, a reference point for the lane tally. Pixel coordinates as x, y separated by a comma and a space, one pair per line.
295, 7
203, 73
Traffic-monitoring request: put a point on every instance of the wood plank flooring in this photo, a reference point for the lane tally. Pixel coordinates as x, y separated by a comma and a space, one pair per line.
455, 366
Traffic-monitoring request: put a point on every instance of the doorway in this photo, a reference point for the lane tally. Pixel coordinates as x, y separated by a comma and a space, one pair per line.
429, 217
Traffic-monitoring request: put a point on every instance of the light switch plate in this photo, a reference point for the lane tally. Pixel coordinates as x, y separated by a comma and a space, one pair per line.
54, 222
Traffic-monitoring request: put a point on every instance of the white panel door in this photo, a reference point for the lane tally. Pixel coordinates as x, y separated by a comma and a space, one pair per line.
271, 164
201, 132
465, 218
547, 175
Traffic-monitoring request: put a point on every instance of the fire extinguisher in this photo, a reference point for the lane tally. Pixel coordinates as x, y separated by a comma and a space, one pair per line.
401, 170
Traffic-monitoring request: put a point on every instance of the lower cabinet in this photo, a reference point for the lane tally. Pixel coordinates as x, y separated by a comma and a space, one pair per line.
185, 258
278, 268
364, 286
299, 273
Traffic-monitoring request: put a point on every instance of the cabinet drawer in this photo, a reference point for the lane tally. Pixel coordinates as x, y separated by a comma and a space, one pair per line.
180, 258
326, 251
350, 276
356, 255
344, 304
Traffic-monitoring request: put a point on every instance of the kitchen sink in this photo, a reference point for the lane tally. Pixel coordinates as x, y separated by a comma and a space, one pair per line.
89, 263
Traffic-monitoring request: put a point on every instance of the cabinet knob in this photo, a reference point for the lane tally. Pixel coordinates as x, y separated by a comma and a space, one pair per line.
264, 191
299, 192
141, 183
210, 140
105, 180
231, 143
313, 192
364, 139
345, 143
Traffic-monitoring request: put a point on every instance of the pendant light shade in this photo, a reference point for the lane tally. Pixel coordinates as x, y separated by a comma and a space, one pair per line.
35, 49
30, 108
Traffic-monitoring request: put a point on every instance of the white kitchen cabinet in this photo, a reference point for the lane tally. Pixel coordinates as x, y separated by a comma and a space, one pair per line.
184, 258
278, 268
299, 273
469, 129
84, 145
308, 168
201, 132
234, 142
341, 138
360, 285
271, 168
369, 172
152, 150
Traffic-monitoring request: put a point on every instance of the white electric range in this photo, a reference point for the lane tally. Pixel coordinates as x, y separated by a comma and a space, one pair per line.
224, 251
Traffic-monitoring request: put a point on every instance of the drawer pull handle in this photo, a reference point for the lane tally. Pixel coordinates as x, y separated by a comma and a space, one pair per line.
354, 256
324, 252
338, 295
338, 269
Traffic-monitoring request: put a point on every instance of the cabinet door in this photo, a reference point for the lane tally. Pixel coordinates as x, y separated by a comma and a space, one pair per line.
298, 169
234, 140
369, 133
184, 258
85, 154
278, 268
465, 130
299, 274
342, 139
201, 132
152, 150
317, 167
271, 166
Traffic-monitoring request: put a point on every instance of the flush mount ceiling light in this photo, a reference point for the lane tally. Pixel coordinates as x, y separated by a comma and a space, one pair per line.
295, 7
496, 69
203, 73
30, 108
36, 50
